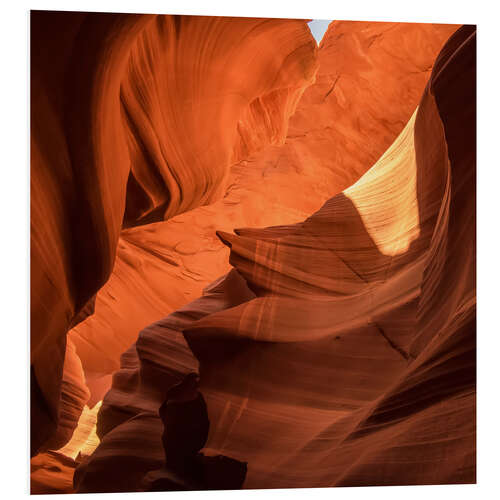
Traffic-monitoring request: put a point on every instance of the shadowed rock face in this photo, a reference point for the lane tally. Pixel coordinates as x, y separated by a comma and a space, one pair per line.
330, 143
132, 123
337, 348
337, 363
185, 431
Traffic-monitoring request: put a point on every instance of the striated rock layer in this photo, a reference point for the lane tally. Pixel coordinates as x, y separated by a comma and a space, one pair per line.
51, 472
132, 123
338, 351
326, 348
369, 82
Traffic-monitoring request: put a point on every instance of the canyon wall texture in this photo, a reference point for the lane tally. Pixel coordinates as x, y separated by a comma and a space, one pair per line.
132, 123
334, 370
333, 349
262, 189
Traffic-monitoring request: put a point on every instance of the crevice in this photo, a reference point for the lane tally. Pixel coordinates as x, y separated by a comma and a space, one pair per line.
397, 348
331, 89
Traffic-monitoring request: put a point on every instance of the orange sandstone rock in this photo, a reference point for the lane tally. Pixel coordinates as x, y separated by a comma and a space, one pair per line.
132, 122
350, 360
337, 348
325, 150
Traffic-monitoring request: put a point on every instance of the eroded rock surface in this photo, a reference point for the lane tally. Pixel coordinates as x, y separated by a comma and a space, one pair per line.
330, 143
344, 363
337, 345
132, 123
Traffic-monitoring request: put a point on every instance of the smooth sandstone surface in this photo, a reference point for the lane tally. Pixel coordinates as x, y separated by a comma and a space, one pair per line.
330, 142
335, 348
51, 473
131, 123
337, 372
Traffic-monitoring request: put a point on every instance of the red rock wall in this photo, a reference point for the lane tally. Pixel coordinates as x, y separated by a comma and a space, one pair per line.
132, 122
138, 122
325, 151
338, 371
191, 111
370, 79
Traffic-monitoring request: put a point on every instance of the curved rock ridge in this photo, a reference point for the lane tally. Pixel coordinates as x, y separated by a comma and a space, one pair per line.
51, 472
370, 80
131, 123
74, 397
76, 214
158, 360
191, 111
339, 351
262, 189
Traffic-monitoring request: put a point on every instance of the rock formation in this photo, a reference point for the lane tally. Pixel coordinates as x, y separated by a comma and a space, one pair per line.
337, 363
131, 123
262, 189
336, 346
51, 472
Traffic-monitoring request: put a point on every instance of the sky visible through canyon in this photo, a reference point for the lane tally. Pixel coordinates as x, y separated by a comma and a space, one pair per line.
318, 28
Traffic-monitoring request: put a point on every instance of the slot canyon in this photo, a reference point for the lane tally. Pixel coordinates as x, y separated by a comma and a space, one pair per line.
293, 222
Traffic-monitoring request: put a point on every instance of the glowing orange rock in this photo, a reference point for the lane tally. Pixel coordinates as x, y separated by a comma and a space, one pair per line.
132, 122
141, 121
354, 363
325, 151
